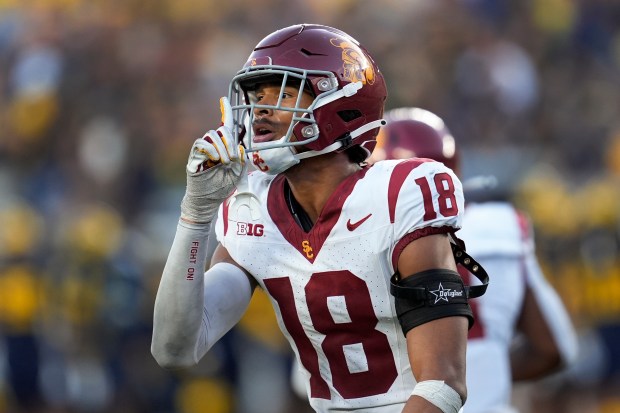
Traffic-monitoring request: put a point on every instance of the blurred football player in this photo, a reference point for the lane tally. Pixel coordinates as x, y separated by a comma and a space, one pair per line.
522, 329
357, 262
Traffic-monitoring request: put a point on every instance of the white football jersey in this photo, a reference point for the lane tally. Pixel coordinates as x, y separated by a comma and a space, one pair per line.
501, 240
330, 287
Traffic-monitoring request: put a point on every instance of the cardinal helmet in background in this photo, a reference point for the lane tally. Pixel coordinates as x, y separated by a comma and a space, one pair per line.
416, 132
348, 88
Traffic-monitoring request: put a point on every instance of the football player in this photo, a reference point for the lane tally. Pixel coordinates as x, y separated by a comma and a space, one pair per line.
357, 262
522, 329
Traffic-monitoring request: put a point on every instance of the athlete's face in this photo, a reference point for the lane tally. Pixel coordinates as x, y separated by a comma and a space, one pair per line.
269, 124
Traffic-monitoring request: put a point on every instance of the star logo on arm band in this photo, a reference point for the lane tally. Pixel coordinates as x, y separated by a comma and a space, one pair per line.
443, 293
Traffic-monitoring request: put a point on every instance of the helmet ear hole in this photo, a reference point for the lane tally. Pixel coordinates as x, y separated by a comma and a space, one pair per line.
349, 115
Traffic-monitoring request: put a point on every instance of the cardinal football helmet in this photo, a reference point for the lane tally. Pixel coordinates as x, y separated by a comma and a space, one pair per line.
348, 88
416, 132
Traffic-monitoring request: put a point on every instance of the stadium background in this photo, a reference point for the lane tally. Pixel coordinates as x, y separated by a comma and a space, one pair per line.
101, 99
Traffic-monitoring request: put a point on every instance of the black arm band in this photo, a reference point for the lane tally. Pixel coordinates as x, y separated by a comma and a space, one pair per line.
429, 295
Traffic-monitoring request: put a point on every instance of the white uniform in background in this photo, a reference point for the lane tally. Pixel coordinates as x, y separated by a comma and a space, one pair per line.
501, 240
330, 288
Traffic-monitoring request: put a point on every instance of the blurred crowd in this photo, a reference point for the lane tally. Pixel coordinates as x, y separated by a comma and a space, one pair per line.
100, 101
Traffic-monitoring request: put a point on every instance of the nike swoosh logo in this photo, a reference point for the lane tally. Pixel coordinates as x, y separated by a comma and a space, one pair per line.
352, 226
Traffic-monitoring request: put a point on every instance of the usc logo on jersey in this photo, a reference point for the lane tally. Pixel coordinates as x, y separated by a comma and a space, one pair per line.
305, 245
251, 230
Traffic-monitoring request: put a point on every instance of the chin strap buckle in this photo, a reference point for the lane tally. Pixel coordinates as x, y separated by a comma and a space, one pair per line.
346, 140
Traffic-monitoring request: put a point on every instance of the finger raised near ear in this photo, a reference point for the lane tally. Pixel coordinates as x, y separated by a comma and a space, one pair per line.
227, 115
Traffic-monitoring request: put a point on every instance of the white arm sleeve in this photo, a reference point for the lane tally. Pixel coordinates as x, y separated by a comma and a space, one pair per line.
194, 309
553, 310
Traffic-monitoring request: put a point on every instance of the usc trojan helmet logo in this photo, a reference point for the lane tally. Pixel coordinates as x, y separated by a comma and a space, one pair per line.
355, 63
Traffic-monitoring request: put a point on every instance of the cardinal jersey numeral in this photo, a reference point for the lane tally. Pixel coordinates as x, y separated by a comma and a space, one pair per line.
446, 201
360, 332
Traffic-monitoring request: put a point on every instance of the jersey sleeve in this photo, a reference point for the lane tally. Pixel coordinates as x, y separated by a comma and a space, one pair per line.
424, 198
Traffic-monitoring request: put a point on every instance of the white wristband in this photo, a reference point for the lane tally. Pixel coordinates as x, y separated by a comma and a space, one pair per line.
439, 394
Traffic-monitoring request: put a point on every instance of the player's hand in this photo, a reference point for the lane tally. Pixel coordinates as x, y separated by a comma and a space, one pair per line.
216, 147
214, 167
